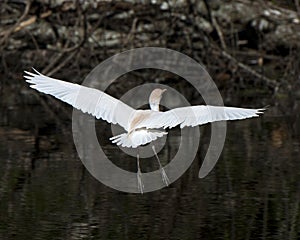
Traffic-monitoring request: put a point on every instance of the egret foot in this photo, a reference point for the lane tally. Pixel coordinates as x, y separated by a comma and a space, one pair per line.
164, 176
140, 182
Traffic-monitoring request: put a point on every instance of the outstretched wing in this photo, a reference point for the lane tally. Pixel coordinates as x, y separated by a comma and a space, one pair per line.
197, 115
88, 100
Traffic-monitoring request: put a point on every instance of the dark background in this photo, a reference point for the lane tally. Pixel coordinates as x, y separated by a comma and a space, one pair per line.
251, 50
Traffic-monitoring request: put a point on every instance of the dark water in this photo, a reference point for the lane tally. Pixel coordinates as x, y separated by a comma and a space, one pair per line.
46, 193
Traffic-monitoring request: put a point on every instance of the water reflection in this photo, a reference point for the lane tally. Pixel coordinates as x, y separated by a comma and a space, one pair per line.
46, 193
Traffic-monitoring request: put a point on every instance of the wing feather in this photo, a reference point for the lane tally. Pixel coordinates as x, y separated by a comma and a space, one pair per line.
197, 115
88, 100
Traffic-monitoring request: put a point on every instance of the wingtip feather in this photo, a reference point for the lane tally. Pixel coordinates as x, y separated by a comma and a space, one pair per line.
261, 111
31, 74
36, 71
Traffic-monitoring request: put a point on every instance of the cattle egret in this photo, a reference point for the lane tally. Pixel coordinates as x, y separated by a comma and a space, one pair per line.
141, 126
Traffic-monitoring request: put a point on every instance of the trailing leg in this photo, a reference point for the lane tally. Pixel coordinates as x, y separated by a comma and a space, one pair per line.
139, 175
164, 176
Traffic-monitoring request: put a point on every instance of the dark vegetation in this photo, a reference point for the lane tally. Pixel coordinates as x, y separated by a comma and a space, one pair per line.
251, 48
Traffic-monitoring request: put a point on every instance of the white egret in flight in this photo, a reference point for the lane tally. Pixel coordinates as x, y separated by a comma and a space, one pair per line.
141, 126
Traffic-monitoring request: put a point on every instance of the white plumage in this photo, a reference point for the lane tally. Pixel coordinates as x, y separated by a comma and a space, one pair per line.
142, 126
88, 100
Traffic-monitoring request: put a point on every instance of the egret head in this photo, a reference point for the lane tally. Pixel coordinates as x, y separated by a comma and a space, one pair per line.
155, 98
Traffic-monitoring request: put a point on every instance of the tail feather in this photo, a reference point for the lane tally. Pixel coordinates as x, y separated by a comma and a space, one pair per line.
137, 138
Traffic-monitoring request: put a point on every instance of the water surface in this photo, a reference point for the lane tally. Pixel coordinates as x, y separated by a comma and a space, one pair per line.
46, 193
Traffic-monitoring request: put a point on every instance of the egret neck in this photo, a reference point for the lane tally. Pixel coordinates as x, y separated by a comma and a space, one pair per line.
155, 98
